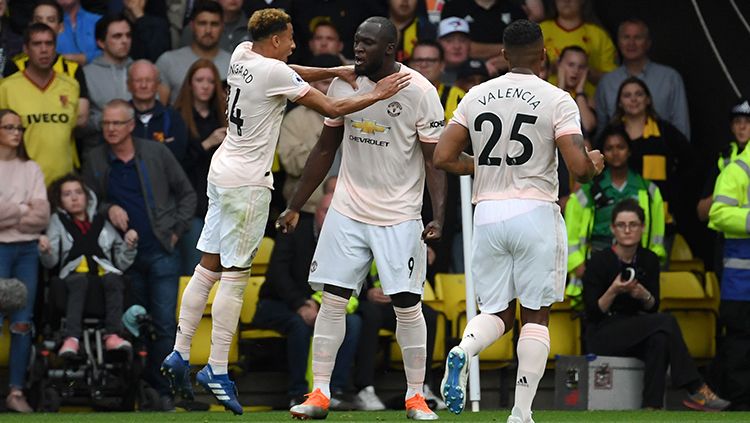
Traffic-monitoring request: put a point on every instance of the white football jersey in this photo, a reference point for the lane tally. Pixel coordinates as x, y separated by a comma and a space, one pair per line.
259, 88
381, 180
513, 121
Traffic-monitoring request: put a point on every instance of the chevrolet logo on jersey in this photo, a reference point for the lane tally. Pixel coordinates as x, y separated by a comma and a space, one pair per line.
369, 126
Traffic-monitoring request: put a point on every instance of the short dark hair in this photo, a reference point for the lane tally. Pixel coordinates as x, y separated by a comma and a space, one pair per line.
628, 205
430, 43
521, 33
36, 28
387, 29
102, 25
267, 22
612, 131
51, 3
55, 190
209, 6
329, 24
575, 48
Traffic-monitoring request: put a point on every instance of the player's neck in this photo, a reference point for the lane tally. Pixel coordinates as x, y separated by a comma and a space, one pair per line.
264, 49
385, 71
524, 70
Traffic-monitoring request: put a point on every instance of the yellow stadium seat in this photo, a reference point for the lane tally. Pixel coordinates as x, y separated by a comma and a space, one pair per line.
201, 345
694, 307
4, 343
564, 330
249, 304
681, 257
262, 257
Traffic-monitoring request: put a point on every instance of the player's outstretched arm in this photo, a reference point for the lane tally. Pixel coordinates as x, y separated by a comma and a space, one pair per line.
449, 152
332, 108
310, 74
437, 185
318, 163
582, 164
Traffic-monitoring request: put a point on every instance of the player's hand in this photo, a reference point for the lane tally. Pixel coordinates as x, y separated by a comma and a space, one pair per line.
375, 295
433, 231
131, 238
287, 221
119, 218
391, 84
44, 245
346, 73
597, 158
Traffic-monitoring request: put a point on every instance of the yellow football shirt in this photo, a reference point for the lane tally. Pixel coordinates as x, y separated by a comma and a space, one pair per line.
590, 37
49, 116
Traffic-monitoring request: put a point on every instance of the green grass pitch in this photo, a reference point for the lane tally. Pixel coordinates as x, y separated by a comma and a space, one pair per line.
388, 416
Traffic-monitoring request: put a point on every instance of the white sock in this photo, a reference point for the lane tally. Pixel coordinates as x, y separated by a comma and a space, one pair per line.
411, 334
225, 313
533, 348
481, 331
330, 328
193, 303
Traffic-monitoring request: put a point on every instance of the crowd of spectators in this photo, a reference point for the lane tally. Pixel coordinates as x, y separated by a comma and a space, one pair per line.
129, 94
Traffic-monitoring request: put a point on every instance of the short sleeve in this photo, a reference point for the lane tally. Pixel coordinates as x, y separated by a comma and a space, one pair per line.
332, 92
282, 80
566, 117
430, 117
459, 115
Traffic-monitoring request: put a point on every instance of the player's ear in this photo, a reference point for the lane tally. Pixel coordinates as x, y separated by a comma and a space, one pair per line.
390, 49
275, 40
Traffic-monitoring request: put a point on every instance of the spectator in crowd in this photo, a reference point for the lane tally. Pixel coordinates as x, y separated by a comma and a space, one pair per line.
326, 40
142, 186
572, 76
377, 313
740, 127
87, 249
77, 40
207, 25
288, 305
153, 120
235, 27
572, 24
729, 215
202, 105
658, 151
670, 101
453, 36
299, 133
621, 293
50, 13
410, 19
106, 76
427, 59
487, 20
47, 102
11, 42
24, 213
471, 73
588, 213
150, 32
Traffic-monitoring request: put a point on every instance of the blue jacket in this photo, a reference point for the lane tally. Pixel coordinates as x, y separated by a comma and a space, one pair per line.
82, 39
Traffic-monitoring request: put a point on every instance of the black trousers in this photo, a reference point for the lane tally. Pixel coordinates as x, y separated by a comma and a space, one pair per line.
375, 317
77, 285
730, 369
654, 338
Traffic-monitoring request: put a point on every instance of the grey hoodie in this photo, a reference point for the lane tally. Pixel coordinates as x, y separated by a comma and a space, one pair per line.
105, 82
61, 241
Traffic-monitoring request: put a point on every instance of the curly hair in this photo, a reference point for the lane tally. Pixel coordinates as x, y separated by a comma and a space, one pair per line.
266, 22
55, 189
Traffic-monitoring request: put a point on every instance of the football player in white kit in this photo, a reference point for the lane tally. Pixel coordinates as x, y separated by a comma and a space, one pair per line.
514, 123
375, 212
239, 189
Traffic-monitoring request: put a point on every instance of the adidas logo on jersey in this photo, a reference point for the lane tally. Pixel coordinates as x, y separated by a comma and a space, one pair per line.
522, 382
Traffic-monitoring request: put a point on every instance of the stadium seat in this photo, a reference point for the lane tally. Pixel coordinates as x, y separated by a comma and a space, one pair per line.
695, 308
438, 355
262, 257
250, 302
564, 331
4, 344
681, 257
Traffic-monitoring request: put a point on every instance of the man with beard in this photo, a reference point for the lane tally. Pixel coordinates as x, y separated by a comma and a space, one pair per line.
375, 213
239, 189
207, 25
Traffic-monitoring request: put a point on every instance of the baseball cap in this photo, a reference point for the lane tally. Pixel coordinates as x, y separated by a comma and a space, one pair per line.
472, 67
741, 109
453, 24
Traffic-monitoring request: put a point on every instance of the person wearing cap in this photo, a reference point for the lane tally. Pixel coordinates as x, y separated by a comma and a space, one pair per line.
453, 36
740, 125
471, 72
